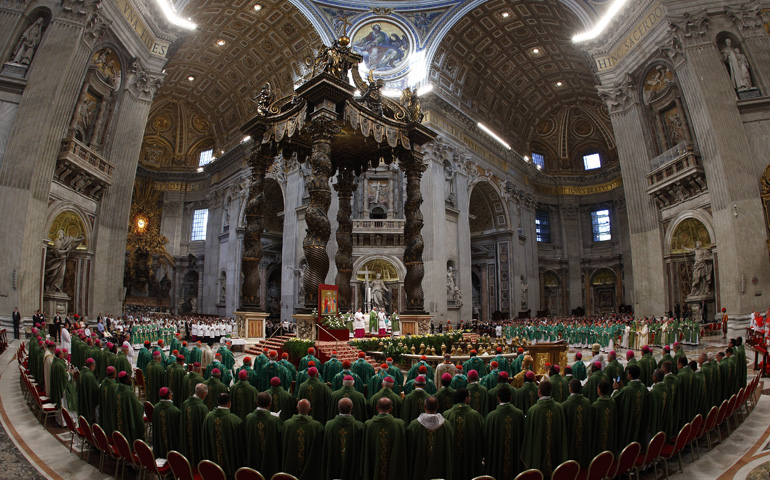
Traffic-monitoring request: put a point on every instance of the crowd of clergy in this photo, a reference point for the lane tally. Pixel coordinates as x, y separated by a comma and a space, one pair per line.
350, 420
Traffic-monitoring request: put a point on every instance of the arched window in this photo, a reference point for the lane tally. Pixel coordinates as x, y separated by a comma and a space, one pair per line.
378, 213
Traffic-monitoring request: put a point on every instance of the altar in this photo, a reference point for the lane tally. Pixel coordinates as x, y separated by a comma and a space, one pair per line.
554, 353
251, 325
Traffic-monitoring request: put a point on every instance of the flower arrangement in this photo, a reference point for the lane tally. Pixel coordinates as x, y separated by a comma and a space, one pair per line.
335, 323
297, 348
395, 347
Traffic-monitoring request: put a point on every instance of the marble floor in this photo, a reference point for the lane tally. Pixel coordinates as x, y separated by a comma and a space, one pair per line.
31, 452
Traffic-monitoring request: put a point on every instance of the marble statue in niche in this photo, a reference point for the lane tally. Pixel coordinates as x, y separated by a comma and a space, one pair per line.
28, 43
450, 282
56, 260
378, 289
737, 65
701, 270
449, 179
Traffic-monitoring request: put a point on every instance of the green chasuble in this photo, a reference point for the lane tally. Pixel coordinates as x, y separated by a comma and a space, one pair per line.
123, 365
357, 382
385, 392
545, 430
251, 375
413, 405
263, 442
672, 382
107, 402
228, 360
165, 428
302, 447
631, 401
560, 388
700, 404
479, 398
526, 396
579, 370
130, 414
475, 363
188, 384
330, 369
613, 370
215, 388
429, 447
414, 371
195, 355
360, 407
492, 395
283, 402
194, 410
503, 430
307, 359
590, 388
712, 392
445, 397
384, 455
59, 379
320, 396
578, 413
363, 369
726, 379
342, 445
156, 379
688, 401
740, 363
289, 368
467, 427
244, 399
270, 370
374, 384
665, 358
647, 364
223, 440
605, 414
658, 416
88, 395
175, 376
490, 379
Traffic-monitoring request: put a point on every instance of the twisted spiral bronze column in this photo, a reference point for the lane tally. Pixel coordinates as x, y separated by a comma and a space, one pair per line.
318, 226
260, 161
344, 256
412, 165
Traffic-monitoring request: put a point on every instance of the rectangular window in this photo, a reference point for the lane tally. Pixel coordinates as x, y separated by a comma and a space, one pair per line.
206, 157
200, 219
600, 220
539, 160
543, 227
592, 161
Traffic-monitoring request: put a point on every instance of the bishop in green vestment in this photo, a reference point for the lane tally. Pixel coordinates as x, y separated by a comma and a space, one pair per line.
605, 414
666, 356
384, 455
475, 363
228, 360
88, 392
122, 364
310, 357
560, 385
503, 430
687, 391
479, 398
362, 368
243, 396
223, 437
647, 364
263, 438
175, 377
130, 414
467, 427
579, 370
502, 383
597, 375
413, 403
527, 395
319, 394
578, 414
658, 416
283, 402
302, 444
272, 369
216, 388
194, 410
165, 425
672, 382
342, 445
107, 402
330, 368
358, 383
614, 369
631, 401
347, 390
192, 379
59, 377
445, 394
545, 430
386, 391
429, 444
156, 378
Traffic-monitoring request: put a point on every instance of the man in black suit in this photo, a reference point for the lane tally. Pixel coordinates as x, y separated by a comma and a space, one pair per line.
56, 327
16, 322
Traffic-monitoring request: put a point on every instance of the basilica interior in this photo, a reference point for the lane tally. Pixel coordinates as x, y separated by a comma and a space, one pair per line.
577, 157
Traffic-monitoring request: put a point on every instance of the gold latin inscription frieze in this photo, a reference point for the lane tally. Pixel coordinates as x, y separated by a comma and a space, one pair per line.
648, 21
588, 190
154, 45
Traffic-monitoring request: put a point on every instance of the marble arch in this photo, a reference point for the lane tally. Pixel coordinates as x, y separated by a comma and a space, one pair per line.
699, 215
58, 208
494, 200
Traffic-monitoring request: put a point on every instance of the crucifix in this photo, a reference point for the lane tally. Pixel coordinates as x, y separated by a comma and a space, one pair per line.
345, 24
368, 290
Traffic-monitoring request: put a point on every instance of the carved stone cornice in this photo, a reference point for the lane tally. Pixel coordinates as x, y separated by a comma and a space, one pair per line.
618, 97
96, 26
748, 18
143, 84
76, 11
671, 47
14, 5
690, 28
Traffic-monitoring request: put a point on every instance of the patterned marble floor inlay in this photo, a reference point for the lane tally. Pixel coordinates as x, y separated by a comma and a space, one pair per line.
12, 463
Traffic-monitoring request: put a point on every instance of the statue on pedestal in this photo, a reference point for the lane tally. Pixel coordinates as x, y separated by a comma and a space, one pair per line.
378, 290
27, 45
56, 260
701, 270
737, 65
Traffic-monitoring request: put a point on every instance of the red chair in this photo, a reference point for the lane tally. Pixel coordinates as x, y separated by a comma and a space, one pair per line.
625, 461
246, 473
695, 427
708, 425
211, 471
568, 470
181, 467
721, 418
46, 409
599, 467
652, 454
73, 429
140, 384
732, 404
148, 412
126, 455
739, 401
147, 459
104, 447
668, 451
531, 474
87, 436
